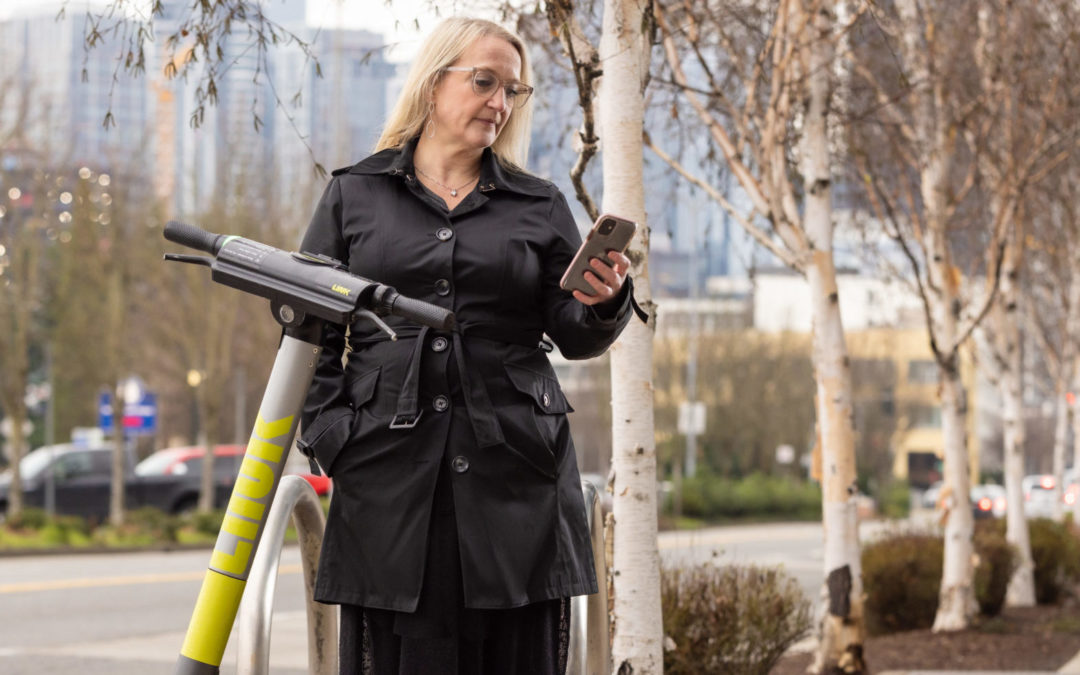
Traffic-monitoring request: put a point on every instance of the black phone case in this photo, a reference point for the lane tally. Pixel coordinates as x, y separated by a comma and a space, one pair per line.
596, 245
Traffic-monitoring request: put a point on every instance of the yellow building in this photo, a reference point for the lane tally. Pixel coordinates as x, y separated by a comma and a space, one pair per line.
917, 442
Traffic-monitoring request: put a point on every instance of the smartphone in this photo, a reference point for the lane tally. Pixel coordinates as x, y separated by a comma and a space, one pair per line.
608, 233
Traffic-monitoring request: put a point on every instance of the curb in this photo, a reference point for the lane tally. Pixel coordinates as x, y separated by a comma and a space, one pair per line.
98, 550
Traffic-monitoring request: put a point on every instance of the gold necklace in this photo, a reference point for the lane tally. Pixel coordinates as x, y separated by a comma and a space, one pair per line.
453, 191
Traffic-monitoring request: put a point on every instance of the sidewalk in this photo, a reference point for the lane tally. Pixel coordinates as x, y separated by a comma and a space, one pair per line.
1072, 668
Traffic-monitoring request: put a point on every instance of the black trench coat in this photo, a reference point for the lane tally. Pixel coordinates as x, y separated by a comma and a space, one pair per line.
482, 399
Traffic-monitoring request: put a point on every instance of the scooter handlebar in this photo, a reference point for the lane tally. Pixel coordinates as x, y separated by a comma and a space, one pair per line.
421, 312
315, 284
193, 237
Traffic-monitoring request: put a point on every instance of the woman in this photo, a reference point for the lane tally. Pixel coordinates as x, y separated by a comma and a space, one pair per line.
457, 528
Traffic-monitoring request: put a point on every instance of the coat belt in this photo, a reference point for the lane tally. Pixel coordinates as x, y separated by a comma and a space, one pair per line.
478, 405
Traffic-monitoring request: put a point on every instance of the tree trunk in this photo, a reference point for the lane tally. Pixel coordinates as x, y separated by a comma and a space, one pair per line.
115, 311
1061, 431
17, 446
1021, 591
956, 604
842, 628
638, 627
1076, 447
206, 425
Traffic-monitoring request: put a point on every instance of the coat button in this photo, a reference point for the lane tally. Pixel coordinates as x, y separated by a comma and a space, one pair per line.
442, 287
440, 403
439, 344
546, 399
459, 464
444, 233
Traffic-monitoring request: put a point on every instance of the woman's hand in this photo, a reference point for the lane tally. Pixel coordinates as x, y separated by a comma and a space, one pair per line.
606, 279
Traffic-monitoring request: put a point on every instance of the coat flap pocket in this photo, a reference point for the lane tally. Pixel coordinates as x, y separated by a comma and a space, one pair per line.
541, 388
326, 435
363, 388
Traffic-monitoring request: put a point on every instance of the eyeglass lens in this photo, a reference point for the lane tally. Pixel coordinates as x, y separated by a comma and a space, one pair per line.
485, 82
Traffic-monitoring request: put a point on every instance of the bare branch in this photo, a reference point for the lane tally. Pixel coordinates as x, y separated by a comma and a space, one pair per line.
754, 231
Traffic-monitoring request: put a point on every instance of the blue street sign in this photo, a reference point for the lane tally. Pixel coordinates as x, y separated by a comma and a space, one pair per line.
140, 417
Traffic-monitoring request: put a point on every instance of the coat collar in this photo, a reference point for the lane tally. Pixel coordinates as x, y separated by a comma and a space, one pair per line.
493, 174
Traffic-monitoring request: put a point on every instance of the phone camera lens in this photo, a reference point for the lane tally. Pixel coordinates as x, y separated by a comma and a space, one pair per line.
606, 227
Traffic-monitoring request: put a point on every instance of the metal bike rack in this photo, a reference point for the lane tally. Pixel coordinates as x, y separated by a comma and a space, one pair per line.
295, 497
590, 644
589, 649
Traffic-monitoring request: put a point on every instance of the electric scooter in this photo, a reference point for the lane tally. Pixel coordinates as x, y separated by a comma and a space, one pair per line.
305, 292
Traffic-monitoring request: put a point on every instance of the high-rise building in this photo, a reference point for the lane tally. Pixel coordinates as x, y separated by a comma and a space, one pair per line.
274, 116
63, 100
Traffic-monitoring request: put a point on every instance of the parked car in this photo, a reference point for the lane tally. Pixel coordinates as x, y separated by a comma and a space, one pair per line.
187, 462
930, 495
169, 479
175, 475
1038, 495
81, 479
988, 501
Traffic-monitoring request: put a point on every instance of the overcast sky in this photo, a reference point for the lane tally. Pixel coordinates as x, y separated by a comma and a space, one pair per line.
396, 22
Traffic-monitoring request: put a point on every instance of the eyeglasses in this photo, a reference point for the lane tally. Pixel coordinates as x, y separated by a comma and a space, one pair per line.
485, 83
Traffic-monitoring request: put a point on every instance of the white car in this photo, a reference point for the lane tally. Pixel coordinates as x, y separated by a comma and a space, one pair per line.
1038, 495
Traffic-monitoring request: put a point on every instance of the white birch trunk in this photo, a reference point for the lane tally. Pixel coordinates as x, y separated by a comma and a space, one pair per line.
1021, 591
841, 630
1061, 431
1070, 365
638, 627
956, 605
957, 601
1076, 450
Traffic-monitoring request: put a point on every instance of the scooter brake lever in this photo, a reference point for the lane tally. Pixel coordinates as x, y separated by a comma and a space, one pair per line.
368, 314
192, 259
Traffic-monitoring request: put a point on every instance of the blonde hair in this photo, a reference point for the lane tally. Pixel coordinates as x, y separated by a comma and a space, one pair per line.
442, 48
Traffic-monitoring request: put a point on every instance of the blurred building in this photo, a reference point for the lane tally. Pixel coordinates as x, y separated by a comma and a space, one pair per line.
275, 117
64, 102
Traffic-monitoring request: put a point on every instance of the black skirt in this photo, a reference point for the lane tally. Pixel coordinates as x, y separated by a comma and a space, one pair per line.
443, 637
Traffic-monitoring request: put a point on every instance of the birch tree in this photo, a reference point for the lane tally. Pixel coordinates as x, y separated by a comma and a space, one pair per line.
767, 119
911, 155
1054, 310
611, 79
624, 52
1023, 67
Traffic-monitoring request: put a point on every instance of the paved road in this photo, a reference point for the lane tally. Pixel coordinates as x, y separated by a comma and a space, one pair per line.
126, 614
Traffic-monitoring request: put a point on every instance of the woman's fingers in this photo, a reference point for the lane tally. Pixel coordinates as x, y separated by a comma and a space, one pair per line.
605, 279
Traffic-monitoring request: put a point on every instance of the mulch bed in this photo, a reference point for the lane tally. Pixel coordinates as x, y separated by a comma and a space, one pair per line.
1034, 638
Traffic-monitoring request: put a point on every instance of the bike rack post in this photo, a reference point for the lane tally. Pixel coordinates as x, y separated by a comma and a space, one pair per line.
297, 498
590, 644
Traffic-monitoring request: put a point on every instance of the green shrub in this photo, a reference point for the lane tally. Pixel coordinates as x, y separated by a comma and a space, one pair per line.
894, 499
997, 562
1055, 550
902, 580
732, 619
758, 496
207, 522
31, 518
155, 522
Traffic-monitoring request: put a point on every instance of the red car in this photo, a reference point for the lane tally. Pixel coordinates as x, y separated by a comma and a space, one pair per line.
188, 461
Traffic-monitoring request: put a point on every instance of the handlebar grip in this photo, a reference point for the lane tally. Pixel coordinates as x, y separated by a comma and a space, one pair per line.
193, 237
422, 312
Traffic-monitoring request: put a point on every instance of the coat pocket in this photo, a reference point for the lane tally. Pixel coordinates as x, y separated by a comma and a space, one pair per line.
332, 430
537, 438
